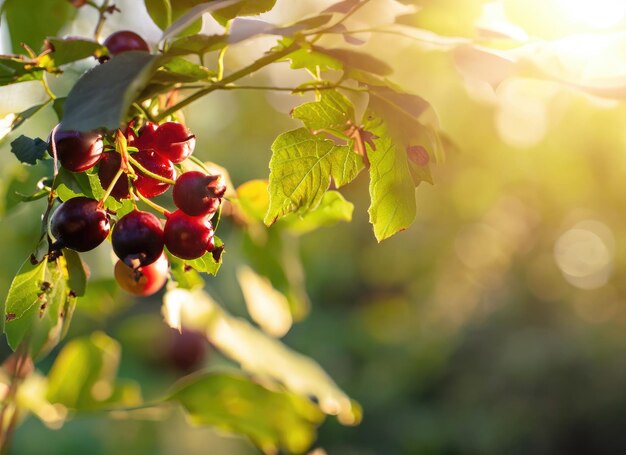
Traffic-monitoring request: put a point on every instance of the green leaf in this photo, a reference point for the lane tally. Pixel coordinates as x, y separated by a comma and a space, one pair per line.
23, 183
232, 402
77, 281
192, 15
332, 209
197, 44
357, 60
83, 376
73, 184
39, 306
29, 150
260, 354
102, 96
31, 21
392, 190
16, 68
180, 70
301, 169
209, 263
333, 112
243, 8
67, 50
25, 115
184, 276
158, 13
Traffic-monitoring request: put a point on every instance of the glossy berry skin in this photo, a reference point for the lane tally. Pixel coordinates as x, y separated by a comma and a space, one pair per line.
109, 165
79, 224
188, 237
145, 280
76, 151
138, 238
145, 136
198, 194
173, 141
124, 41
148, 186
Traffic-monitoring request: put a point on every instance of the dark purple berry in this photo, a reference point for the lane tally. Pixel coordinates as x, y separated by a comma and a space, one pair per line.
76, 151
174, 142
124, 41
138, 238
80, 224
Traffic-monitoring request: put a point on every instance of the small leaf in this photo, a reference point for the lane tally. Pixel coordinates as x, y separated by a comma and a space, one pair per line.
209, 263
158, 12
301, 169
29, 150
24, 291
197, 44
231, 401
243, 8
83, 376
308, 58
192, 15
357, 60
67, 50
89, 107
15, 68
391, 186
77, 280
332, 209
33, 20
180, 70
267, 307
333, 111
185, 277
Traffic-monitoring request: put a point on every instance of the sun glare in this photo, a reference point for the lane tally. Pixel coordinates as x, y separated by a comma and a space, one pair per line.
598, 14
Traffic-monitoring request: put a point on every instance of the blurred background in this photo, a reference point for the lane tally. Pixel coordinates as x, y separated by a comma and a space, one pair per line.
495, 324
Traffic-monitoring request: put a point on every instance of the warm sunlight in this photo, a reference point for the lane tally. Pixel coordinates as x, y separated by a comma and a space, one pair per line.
598, 14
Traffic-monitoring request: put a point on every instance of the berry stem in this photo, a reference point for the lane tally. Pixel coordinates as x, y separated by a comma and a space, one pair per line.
145, 171
254, 66
148, 202
109, 189
199, 162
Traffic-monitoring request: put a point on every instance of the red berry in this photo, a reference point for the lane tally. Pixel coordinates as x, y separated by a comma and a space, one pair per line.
109, 165
76, 151
138, 238
187, 349
145, 139
79, 224
145, 280
148, 186
173, 141
124, 41
198, 194
188, 237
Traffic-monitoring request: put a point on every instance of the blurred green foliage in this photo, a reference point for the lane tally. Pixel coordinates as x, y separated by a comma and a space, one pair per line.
469, 332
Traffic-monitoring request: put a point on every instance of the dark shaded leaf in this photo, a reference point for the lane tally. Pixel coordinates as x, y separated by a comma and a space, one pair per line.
243, 8
29, 150
67, 50
89, 106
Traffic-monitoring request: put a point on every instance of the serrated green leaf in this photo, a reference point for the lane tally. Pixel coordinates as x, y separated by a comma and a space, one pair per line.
38, 311
301, 169
24, 291
89, 106
77, 275
243, 8
392, 191
83, 376
332, 209
231, 401
208, 263
184, 277
31, 21
29, 150
332, 112
68, 50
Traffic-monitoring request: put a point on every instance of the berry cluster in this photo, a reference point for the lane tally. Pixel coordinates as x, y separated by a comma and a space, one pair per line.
142, 169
